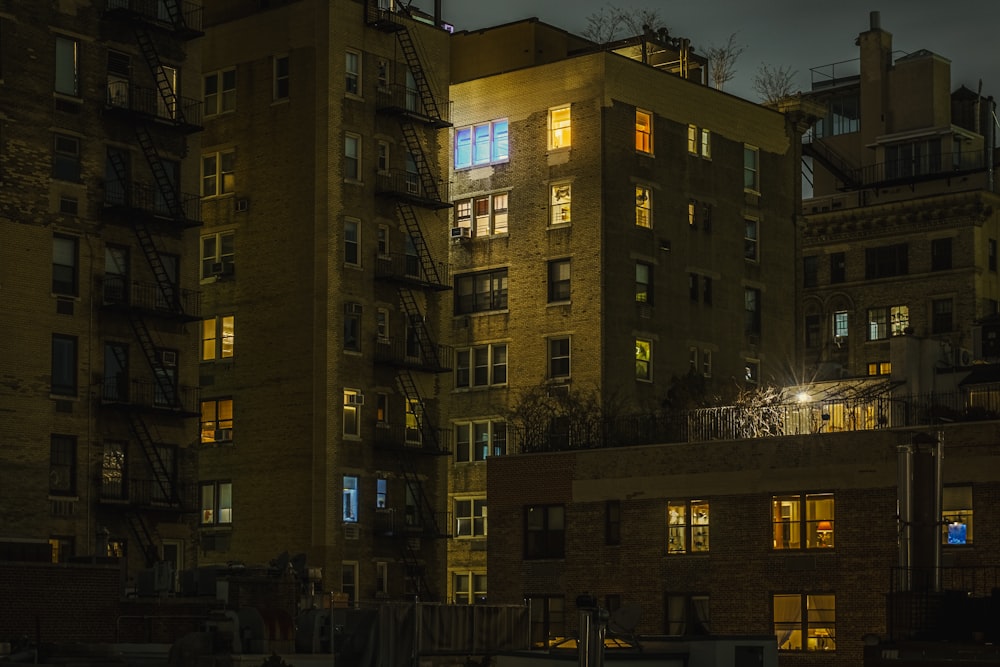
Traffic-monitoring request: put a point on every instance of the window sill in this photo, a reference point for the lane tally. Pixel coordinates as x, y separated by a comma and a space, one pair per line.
221, 195
353, 96
353, 181
565, 302
216, 527
560, 225
280, 101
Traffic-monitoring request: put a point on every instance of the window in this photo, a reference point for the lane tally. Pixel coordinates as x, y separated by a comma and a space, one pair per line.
349, 581
559, 204
218, 336
350, 501
353, 400
643, 206
469, 587
992, 254
879, 368
687, 526
840, 328
643, 283
699, 213
66, 158
803, 521
558, 358
352, 157
693, 287
352, 242
544, 531
751, 249
751, 311
64, 362
559, 280
470, 517
67, 66
886, 321
941, 316
706, 363
886, 261
751, 371
352, 68
956, 515
479, 292
481, 366
483, 144
804, 622
644, 132
812, 331
217, 176
940, 254
490, 214
810, 271
706, 143
560, 128
216, 503
62, 465
547, 618
686, 615
706, 292
751, 163
281, 77
692, 139
217, 420
612, 522
65, 265
381, 491
475, 441
643, 359
838, 267
220, 92
218, 254
352, 326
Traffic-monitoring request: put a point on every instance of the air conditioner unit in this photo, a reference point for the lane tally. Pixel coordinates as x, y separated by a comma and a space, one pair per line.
963, 357
412, 187
168, 357
354, 399
460, 233
223, 434
242, 204
223, 268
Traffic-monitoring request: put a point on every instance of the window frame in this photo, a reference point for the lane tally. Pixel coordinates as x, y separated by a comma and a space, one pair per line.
644, 359
560, 204
802, 625
481, 144
685, 535
752, 316
280, 77
559, 280
751, 239
469, 366
556, 356
560, 129
216, 498
941, 254
957, 514
350, 498
495, 220
352, 242
644, 132
810, 523
644, 284
223, 98
352, 77
468, 296
473, 516
223, 173
473, 591
470, 444
67, 161
885, 322
70, 284
351, 414
221, 425
220, 254
353, 158
66, 59
65, 366
643, 206
217, 337
63, 463
751, 169
939, 323
544, 532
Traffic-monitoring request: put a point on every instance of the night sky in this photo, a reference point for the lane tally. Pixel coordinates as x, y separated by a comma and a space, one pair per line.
800, 34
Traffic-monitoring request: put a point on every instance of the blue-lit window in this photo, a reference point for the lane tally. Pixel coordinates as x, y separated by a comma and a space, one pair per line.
350, 499
482, 144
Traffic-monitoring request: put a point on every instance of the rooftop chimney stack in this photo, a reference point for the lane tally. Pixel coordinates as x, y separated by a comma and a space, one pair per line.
875, 20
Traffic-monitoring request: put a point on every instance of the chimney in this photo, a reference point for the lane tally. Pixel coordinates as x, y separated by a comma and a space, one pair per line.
875, 20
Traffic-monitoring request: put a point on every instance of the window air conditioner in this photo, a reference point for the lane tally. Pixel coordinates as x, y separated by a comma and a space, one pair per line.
460, 233
223, 434
412, 187
223, 268
242, 204
354, 399
168, 358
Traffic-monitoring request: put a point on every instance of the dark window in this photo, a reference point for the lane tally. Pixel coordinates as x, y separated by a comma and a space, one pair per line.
548, 618
352, 326
65, 260
280, 77
478, 292
66, 158
751, 321
686, 614
993, 254
941, 320
613, 522
812, 331
809, 271
693, 286
559, 280
62, 465
559, 360
643, 283
64, 365
544, 531
886, 261
940, 254
838, 267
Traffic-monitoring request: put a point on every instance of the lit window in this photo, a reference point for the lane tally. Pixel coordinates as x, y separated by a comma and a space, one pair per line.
706, 363
217, 420
217, 254
352, 242
687, 526
805, 622
544, 531
353, 400
479, 292
692, 214
352, 68
751, 371
803, 521
352, 157
350, 502
751, 247
879, 368
62, 465
643, 283
643, 206
751, 175
381, 493
643, 132
956, 515
483, 144
413, 433
281, 79
500, 213
643, 359
65, 258
559, 128
706, 143
216, 503
692, 142
840, 327
559, 359
470, 517
220, 92
217, 173
888, 321
67, 66
483, 216
64, 365
561, 196
218, 335
481, 366
559, 280
66, 158
470, 588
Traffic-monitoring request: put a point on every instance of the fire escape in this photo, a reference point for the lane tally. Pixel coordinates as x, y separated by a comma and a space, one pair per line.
416, 193
154, 119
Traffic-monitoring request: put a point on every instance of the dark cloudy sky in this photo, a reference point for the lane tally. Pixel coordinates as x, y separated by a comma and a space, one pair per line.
799, 33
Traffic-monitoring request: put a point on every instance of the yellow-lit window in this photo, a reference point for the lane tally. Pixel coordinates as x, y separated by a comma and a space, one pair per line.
805, 622
706, 143
692, 139
879, 368
559, 203
956, 515
559, 127
692, 214
217, 420
643, 359
353, 400
643, 206
643, 132
803, 521
687, 526
218, 337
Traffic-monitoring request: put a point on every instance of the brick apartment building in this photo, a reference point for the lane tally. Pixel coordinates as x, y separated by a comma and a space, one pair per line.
98, 350
617, 225
322, 263
902, 226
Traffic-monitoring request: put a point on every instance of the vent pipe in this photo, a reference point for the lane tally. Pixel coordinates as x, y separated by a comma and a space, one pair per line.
875, 20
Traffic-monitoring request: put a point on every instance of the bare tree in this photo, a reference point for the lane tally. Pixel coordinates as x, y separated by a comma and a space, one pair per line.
722, 61
773, 83
610, 21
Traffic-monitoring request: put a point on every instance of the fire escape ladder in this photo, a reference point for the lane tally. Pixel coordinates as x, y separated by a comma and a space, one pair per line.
147, 441
147, 537
120, 167
419, 76
167, 288
168, 96
424, 507
427, 182
165, 392
418, 324
415, 570
409, 217
840, 167
164, 183
174, 13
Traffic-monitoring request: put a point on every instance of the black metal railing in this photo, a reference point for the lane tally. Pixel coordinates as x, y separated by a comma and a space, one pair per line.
149, 394
401, 351
147, 198
944, 604
407, 185
398, 98
127, 96
403, 267
418, 440
149, 297
186, 15
148, 492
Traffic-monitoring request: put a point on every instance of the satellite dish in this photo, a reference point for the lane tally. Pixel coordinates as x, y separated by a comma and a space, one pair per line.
625, 620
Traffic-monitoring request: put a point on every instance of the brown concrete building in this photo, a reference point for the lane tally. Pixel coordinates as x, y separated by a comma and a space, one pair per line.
902, 225
322, 264
97, 352
617, 225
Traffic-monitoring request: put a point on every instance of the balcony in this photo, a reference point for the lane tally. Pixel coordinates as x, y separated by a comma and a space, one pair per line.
406, 269
406, 186
147, 395
129, 199
146, 493
414, 440
399, 100
149, 299
408, 353
185, 21
127, 99
406, 523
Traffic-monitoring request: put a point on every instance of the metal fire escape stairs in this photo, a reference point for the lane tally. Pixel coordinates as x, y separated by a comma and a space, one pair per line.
835, 163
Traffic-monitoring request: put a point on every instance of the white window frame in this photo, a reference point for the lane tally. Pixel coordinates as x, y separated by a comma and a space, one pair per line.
644, 366
551, 357
475, 587
217, 257
223, 99
221, 430
494, 222
223, 173
560, 128
644, 132
472, 525
353, 76
751, 244
216, 503
280, 80
350, 498
479, 439
644, 206
355, 224
494, 352
751, 173
560, 204
353, 144
482, 144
